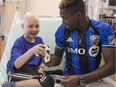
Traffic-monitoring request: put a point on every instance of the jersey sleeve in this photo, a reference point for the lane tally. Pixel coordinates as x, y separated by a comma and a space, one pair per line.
107, 35
59, 37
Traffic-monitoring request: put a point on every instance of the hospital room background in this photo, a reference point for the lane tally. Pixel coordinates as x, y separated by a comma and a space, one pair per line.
12, 11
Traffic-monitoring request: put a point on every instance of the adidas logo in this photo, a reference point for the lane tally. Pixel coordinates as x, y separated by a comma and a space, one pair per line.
69, 40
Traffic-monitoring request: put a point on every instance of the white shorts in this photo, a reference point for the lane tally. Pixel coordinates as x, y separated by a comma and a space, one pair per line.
106, 82
100, 84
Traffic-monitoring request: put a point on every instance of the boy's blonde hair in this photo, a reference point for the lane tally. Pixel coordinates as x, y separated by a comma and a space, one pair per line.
29, 15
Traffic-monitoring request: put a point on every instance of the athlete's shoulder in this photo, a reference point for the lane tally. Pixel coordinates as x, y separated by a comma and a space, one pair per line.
60, 29
99, 24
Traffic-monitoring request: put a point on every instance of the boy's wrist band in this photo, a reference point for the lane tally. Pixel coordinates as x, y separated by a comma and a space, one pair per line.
41, 67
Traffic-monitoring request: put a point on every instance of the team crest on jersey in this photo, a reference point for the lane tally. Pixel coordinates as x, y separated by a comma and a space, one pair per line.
111, 39
94, 39
93, 51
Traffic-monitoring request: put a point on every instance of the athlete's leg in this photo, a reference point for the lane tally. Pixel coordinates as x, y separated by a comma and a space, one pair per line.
100, 84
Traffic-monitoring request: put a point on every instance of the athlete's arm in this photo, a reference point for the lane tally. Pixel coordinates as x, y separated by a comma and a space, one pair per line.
55, 58
107, 69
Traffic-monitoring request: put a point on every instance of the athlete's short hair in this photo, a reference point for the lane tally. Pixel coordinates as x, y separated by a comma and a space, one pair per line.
73, 5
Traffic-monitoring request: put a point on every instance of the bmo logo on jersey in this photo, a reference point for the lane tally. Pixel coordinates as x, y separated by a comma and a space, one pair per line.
80, 51
93, 51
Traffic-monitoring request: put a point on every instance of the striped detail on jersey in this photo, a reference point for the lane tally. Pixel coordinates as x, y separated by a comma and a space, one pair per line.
69, 55
78, 59
98, 57
93, 61
83, 59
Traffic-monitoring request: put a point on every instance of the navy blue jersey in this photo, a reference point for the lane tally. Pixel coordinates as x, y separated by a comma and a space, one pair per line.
84, 57
19, 48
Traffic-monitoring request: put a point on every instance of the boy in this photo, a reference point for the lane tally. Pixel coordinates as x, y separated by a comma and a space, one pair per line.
24, 58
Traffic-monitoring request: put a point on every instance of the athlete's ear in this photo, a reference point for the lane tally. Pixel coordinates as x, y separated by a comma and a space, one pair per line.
78, 14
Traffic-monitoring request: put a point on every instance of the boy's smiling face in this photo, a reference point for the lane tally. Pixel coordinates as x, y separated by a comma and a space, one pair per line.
31, 26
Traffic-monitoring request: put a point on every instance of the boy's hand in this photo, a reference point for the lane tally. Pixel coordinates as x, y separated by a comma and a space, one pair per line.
39, 49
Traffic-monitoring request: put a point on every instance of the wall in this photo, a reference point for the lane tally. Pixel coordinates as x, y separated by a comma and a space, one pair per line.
2, 46
93, 9
46, 7
41, 7
8, 11
0, 15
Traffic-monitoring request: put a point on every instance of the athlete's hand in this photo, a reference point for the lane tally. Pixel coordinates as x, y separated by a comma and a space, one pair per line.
70, 81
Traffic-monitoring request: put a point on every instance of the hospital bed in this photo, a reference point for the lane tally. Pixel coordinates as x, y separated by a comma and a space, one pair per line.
48, 27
